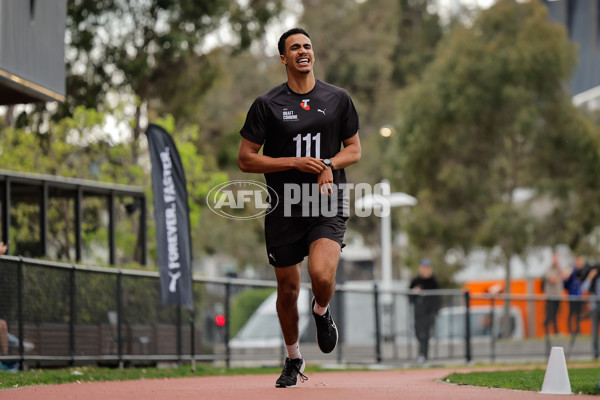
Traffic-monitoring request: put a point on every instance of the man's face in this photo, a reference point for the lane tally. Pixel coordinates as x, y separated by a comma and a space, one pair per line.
425, 271
299, 55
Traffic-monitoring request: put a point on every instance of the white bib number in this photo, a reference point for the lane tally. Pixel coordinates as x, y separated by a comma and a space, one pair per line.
308, 139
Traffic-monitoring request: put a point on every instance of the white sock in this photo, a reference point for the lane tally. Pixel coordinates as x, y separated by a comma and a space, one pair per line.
319, 310
293, 351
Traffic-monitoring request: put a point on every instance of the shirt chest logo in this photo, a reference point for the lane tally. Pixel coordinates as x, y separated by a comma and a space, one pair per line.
289, 115
304, 104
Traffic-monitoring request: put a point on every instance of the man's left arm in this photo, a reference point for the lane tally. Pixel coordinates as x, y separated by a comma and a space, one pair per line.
349, 155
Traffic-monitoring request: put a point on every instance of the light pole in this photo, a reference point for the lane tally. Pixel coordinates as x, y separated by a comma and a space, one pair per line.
382, 203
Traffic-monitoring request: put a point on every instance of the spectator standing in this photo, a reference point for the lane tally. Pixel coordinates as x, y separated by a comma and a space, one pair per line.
553, 287
573, 285
425, 306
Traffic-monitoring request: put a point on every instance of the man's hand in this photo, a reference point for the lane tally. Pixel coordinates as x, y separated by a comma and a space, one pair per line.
325, 181
3, 248
309, 164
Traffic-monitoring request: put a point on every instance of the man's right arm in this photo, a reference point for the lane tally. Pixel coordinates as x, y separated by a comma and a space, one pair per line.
249, 160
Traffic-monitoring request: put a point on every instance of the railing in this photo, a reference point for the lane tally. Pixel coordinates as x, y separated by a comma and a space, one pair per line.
63, 314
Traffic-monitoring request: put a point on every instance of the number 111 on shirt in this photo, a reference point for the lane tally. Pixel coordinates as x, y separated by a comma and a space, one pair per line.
308, 139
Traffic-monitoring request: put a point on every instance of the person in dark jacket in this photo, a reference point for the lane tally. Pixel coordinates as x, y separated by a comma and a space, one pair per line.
425, 306
573, 285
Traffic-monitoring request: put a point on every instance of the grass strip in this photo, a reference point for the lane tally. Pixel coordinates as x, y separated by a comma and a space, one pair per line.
583, 380
35, 377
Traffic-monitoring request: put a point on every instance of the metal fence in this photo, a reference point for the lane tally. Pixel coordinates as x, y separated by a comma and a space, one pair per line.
61, 314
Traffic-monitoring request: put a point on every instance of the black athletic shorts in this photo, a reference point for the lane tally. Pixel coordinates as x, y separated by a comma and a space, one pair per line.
288, 238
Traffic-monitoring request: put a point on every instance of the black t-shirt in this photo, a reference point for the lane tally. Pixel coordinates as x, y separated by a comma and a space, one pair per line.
313, 124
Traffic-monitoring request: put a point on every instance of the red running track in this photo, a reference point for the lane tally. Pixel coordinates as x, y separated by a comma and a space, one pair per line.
371, 385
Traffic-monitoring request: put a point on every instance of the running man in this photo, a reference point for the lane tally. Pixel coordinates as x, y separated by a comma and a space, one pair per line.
302, 125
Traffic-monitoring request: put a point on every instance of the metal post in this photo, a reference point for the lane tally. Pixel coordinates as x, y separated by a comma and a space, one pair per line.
452, 330
410, 330
44, 219
468, 327
119, 318
386, 250
20, 295
72, 316
377, 327
192, 343
78, 223
143, 232
492, 336
6, 212
111, 229
227, 318
179, 334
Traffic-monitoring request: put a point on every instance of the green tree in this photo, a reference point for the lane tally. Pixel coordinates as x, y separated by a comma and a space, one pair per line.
146, 50
80, 146
489, 117
372, 49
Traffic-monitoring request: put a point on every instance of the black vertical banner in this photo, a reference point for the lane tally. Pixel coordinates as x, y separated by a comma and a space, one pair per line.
171, 213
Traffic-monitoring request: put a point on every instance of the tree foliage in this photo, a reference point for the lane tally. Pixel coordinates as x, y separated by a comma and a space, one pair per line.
372, 49
147, 49
79, 146
490, 117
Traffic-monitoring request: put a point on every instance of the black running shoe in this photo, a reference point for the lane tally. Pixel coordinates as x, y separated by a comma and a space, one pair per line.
327, 333
290, 372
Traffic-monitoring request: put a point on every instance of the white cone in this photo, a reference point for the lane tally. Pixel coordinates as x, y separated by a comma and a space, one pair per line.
556, 380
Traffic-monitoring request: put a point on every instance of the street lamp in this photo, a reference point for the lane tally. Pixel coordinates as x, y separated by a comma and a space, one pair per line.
386, 131
383, 202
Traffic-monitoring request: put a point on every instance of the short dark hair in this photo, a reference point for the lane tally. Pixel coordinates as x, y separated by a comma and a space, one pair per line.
282, 39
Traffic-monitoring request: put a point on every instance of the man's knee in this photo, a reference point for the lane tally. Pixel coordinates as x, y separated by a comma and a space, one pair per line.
287, 294
323, 281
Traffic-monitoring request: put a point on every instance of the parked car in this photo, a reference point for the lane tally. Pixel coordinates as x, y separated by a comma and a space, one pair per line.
352, 310
262, 329
13, 343
484, 322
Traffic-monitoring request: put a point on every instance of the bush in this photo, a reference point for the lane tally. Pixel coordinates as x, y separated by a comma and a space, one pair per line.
244, 305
